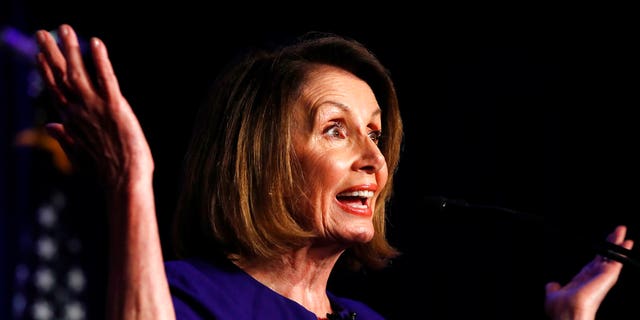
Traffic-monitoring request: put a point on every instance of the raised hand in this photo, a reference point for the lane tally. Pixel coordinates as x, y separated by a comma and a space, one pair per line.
582, 296
98, 127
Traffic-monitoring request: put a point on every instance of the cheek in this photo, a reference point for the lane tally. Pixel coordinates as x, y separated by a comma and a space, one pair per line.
382, 176
324, 169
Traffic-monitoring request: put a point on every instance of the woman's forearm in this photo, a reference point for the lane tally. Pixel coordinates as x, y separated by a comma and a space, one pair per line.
137, 287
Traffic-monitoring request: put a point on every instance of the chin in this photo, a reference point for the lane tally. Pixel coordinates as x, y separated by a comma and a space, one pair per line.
362, 235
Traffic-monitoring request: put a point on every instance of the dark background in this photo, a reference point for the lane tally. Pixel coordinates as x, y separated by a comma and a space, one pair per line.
528, 109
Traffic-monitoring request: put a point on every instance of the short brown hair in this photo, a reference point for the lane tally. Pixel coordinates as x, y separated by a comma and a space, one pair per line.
240, 170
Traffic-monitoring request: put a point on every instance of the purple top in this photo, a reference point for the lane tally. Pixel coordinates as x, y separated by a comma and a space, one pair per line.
203, 289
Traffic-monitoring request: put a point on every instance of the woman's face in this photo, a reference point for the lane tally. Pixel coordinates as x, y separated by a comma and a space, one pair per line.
335, 134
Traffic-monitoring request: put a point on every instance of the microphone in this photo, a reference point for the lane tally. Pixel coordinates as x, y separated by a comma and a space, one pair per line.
461, 208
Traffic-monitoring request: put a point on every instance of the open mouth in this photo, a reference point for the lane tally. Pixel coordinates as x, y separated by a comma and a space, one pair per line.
355, 199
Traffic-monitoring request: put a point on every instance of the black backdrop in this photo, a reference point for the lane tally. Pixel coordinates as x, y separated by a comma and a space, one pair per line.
529, 111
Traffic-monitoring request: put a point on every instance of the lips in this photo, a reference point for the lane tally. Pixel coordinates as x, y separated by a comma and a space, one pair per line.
356, 202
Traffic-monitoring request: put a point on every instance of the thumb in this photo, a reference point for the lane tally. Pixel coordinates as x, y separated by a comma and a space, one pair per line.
58, 132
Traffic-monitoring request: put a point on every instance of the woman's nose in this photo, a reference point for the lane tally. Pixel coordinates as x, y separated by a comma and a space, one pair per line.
370, 158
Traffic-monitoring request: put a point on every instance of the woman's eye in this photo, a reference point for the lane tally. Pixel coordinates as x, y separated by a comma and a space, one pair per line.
375, 136
336, 130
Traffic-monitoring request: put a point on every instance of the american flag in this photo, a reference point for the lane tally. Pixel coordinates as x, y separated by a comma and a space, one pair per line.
53, 226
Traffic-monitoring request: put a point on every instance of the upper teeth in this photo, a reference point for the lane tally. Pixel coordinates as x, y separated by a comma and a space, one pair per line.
361, 194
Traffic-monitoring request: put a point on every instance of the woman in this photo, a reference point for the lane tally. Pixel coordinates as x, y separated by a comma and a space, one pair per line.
286, 171
287, 176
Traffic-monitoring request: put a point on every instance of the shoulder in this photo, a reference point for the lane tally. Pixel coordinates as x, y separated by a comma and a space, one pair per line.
188, 270
201, 289
207, 289
207, 279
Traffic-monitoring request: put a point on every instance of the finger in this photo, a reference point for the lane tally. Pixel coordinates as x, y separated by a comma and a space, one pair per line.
618, 235
51, 64
53, 55
617, 238
106, 78
58, 132
66, 142
46, 73
78, 78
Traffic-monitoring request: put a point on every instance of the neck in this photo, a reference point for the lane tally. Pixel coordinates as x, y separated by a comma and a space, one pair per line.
300, 277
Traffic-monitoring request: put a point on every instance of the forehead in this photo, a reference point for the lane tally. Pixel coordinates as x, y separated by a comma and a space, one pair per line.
329, 86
